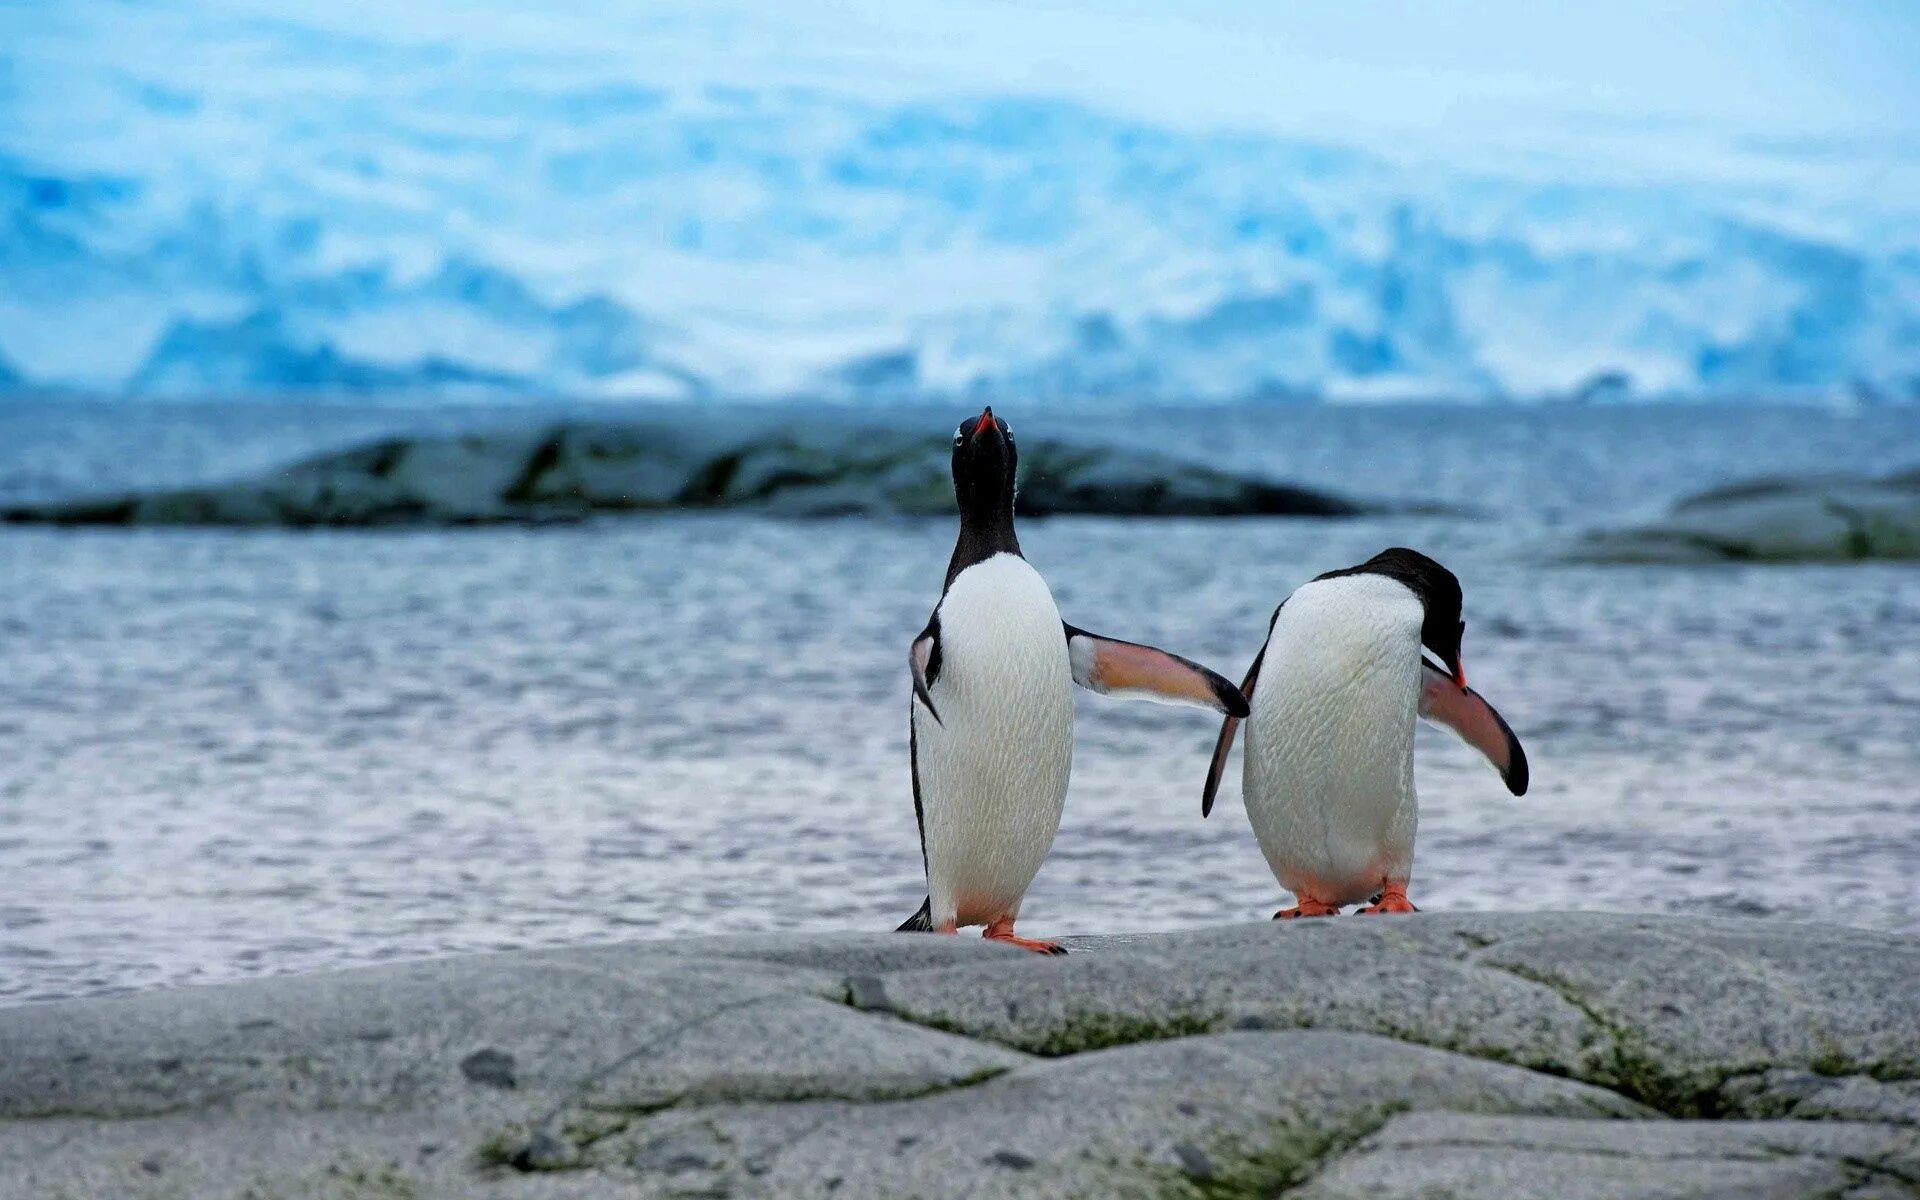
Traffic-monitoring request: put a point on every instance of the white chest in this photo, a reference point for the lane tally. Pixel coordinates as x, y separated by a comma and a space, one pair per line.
1328, 779
1000, 630
993, 772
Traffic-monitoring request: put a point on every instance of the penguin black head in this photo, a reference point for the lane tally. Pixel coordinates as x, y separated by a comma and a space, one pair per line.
1439, 593
983, 468
983, 465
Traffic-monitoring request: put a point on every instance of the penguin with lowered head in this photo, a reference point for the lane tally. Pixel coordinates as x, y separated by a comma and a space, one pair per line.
1351, 659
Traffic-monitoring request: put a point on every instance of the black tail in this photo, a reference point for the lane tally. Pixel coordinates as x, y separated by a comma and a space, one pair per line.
921, 921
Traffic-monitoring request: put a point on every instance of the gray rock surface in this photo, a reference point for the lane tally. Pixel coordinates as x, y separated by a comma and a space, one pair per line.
1662, 1010
1422, 1155
1808, 1095
574, 470
1248, 1110
1809, 519
1464, 1055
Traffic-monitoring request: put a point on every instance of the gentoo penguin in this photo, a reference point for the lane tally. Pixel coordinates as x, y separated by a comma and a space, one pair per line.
1328, 777
991, 721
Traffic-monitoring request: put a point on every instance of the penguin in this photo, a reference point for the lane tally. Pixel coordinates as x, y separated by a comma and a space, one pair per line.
990, 725
1351, 658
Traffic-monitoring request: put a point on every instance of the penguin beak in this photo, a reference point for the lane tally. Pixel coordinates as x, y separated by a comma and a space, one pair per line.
985, 423
1448, 665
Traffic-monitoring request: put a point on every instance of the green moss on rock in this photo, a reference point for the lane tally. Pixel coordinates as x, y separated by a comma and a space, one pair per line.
1083, 1031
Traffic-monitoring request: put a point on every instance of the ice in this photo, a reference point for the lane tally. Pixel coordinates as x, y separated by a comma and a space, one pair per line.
762, 201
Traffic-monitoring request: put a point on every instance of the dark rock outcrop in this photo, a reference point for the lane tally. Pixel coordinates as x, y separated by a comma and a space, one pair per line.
1827, 518
573, 471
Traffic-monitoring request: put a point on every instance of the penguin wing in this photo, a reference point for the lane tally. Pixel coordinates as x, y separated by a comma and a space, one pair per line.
1229, 727
1464, 711
1113, 667
924, 660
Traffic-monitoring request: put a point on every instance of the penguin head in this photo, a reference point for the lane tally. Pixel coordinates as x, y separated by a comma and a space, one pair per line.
1439, 592
984, 459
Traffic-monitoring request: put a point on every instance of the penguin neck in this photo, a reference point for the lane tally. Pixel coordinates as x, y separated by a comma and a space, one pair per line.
985, 530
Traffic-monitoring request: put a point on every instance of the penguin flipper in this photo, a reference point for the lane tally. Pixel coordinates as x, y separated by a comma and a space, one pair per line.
1467, 713
1229, 727
921, 921
924, 660
1113, 667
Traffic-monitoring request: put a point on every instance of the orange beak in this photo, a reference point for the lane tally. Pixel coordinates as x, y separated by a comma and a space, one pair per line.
985, 423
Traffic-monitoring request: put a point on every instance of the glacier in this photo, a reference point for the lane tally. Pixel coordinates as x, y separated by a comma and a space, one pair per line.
235, 199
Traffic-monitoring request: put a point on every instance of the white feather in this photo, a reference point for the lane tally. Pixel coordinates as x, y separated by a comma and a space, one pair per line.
993, 770
1328, 777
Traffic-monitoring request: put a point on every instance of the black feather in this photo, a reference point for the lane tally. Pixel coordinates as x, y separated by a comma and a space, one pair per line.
921, 921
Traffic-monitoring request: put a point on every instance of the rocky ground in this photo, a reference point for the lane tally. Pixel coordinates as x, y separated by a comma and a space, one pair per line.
575, 470
1563, 1055
1812, 519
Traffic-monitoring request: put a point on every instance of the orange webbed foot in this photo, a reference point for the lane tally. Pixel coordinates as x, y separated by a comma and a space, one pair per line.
1002, 931
1393, 899
1308, 907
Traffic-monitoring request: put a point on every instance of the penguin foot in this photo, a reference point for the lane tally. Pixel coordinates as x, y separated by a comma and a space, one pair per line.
1392, 899
1002, 931
1308, 908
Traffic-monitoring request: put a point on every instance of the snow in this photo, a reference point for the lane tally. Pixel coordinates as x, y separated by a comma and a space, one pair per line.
978, 199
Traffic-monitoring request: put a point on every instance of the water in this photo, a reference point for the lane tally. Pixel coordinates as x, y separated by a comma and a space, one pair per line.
229, 753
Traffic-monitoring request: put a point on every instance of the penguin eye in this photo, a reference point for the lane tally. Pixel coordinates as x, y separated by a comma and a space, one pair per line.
1006, 429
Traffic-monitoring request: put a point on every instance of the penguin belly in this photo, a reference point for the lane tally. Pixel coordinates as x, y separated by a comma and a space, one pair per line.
1328, 775
993, 770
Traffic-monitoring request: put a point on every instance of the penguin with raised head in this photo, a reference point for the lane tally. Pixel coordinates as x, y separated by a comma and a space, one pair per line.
1350, 660
991, 724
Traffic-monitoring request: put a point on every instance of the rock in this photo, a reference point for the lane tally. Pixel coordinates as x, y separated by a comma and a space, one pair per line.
491, 1067
1193, 1160
1812, 519
1258, 1110
1779, 995
576, 470
868, 993
1472, 1157
877, 955
798, 1049
1624, 1002
1807, 1095
639, 1037
1473, 1054
544, 1152
1324, 975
